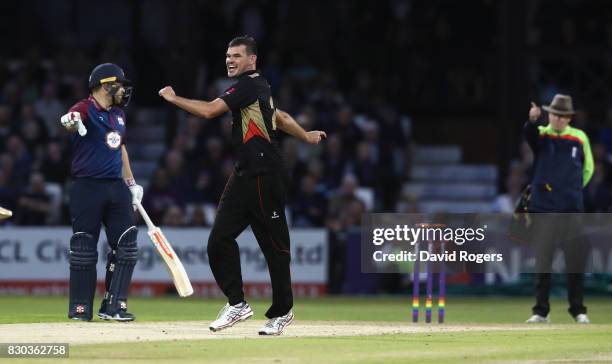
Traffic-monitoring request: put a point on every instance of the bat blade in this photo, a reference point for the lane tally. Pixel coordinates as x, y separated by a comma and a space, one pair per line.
172, 261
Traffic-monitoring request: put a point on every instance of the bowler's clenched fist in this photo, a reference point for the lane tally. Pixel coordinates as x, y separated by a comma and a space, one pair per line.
315, 136
167, 93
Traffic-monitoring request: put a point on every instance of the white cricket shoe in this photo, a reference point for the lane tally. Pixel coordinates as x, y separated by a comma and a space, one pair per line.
229, 315
582, 319
537, 319
275, 325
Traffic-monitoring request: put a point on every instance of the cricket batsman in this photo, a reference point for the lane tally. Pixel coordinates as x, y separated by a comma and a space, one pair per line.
102, 192
256, 192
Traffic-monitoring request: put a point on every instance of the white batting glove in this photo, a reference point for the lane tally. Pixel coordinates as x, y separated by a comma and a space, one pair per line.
70, 120
136, 191
73, 122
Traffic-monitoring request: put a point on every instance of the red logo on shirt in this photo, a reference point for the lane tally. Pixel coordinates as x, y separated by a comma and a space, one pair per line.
230, 91
254, 130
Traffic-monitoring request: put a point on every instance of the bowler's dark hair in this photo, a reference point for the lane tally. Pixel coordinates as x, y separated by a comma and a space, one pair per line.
247, 41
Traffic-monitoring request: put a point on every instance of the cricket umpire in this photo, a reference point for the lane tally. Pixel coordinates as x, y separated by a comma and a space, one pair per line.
255, 193
563, 166
103, 191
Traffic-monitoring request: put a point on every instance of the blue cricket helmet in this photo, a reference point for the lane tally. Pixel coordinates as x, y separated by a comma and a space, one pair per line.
110, 72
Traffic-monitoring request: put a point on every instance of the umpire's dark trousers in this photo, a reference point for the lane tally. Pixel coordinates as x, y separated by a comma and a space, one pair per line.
258, 201
553, 232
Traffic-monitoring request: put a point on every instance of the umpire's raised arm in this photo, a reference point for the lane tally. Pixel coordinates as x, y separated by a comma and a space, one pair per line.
530, 129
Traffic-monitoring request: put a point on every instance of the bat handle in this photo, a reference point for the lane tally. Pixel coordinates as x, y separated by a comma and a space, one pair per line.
81, 128
145, 216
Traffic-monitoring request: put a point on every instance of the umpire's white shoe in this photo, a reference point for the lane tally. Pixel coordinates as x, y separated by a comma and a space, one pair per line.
229, 315
537, 319
275, 325
582, 319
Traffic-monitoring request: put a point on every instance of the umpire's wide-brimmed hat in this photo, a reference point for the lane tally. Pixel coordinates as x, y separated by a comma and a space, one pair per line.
560, 105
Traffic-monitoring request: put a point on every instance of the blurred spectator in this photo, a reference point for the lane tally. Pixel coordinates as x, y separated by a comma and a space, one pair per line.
344, 215
599, 151
346, 128
211, 164
32, 131
198, 217
5, 125
159, 196
351, 217
183, 143
192, 142
394, 153
407, 204
315, 170
365, 167
308, 206
206, 188
295, 165
598, 193
581, 120
6, 165
55, 165
525, 158
173, 216
334, 162
343, 198
34, 207
605, 133
507, 201
50, 109
22, 161
371, 136
178, 177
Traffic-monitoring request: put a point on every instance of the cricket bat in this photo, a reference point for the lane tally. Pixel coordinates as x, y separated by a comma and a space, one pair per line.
164, 249
5, 213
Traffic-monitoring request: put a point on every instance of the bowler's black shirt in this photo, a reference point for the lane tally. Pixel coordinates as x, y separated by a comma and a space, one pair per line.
254, 134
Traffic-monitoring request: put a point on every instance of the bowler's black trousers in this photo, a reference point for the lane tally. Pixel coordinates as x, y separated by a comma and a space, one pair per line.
258, 201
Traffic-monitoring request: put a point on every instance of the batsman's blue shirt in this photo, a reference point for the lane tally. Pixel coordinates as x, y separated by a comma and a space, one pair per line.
98, 153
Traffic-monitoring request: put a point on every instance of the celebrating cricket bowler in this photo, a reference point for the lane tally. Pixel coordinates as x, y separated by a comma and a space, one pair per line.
256, 191
103, 191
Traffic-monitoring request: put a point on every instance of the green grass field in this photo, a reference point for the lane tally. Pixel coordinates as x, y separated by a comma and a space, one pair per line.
508, 341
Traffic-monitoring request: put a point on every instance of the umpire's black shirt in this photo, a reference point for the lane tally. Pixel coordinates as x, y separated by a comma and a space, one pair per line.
253, 125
